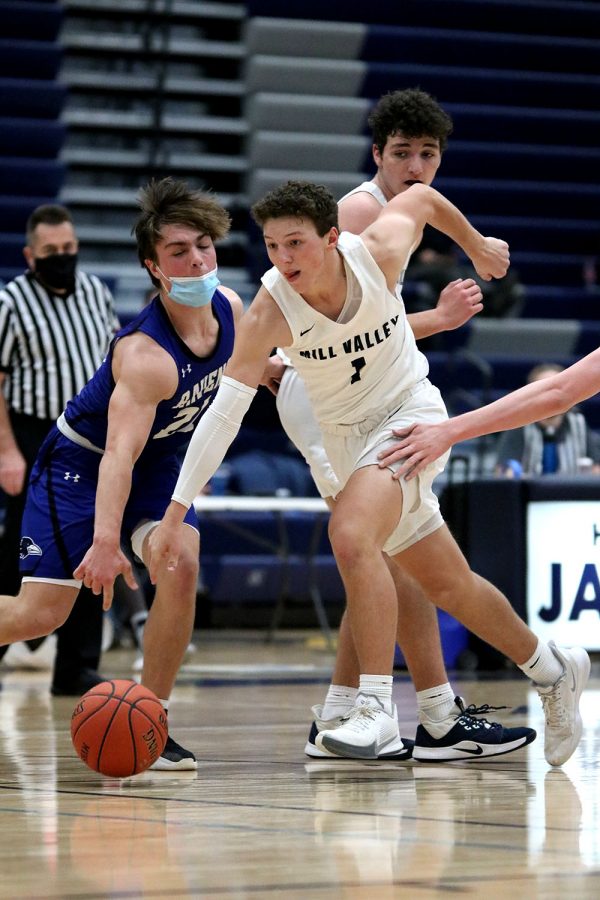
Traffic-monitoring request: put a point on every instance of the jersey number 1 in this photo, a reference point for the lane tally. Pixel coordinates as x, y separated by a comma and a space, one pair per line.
357, 364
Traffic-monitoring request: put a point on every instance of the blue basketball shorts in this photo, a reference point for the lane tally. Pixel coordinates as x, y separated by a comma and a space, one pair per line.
58, 521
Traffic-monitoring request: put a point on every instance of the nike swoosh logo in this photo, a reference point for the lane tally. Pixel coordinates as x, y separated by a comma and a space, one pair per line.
302, 333
534, 663
477, 752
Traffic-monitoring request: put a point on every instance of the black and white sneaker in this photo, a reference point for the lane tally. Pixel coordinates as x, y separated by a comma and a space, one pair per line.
468, 738
174, 758
321, 724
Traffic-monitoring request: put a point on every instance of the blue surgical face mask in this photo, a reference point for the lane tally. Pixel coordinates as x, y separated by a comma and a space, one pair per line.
195, 290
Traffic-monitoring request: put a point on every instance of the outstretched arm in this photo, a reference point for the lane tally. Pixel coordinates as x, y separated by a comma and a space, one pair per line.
420, 445
144, 375
260, 328
398, 227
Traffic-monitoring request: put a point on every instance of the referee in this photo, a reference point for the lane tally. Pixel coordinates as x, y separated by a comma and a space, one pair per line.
56, 323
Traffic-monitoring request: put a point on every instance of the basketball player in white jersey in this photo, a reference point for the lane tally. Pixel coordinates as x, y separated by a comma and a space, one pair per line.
330, 301
410, 133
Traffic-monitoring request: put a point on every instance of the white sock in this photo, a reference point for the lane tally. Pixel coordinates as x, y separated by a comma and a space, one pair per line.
543, 667
164, 704
379, 686
436, 703
339, 700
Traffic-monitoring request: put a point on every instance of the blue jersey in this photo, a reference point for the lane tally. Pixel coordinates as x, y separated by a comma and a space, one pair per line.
175, 418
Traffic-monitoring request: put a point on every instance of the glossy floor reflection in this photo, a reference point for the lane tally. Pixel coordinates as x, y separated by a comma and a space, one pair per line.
261, 820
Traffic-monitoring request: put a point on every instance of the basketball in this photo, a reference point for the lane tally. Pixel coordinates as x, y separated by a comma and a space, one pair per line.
119, 728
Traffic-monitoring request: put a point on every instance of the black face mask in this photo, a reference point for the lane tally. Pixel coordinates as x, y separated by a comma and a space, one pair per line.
57, 271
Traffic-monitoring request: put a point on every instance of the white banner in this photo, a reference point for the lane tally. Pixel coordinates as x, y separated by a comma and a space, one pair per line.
563, 571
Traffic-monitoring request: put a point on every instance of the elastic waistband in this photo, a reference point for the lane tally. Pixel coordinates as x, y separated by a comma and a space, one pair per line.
70, 433
371, 422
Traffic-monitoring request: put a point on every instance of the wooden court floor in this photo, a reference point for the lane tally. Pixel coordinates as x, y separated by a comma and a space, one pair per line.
261, 820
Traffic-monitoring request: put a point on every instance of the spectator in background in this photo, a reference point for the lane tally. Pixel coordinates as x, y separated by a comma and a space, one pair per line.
562, 444
436, 263
56, 323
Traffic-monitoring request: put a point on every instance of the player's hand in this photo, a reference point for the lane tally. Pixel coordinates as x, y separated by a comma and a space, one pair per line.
491, 259
459, 301
99, 568
12, 472
164, 549
273, 373
419, 445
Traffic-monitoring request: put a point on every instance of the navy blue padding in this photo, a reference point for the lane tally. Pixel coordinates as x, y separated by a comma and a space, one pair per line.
29, 59
31, 99
487, 159
14, 211
7, 273
589, 338
478, 85
11, 251
533, 198
33, 20
549, 235
31, 137
483, 122
547, 302
479, 48
31, 177
552, 17
549, 268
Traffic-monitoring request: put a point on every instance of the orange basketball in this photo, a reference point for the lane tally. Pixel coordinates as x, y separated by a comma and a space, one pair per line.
119, 728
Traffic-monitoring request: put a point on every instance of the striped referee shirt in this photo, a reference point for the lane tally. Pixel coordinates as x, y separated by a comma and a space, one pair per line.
51, 345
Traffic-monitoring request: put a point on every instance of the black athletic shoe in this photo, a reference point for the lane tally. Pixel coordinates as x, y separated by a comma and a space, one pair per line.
85, 681
470, 738
174, 758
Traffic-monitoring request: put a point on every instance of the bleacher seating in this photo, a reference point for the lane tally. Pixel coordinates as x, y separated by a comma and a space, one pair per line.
521, 80
31, 100
154, 89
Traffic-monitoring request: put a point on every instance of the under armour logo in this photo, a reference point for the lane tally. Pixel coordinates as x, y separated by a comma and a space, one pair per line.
185, 370
28, 547
69, 477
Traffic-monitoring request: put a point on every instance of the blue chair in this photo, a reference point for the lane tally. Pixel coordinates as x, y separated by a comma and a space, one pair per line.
31, 137
31, 99
29, 59
31, 177
30, 19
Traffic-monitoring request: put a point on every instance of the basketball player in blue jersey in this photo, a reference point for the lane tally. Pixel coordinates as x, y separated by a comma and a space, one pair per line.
330, 301
106, 472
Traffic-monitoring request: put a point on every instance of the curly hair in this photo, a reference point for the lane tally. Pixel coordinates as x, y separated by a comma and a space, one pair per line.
170, 202
301, 200
412, 112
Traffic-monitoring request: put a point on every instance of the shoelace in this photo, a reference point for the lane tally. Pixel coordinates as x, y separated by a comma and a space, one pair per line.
468, 713
360, 716
555, 712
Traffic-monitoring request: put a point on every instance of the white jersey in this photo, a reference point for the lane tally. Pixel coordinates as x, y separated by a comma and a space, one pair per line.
369, 187
366, 187
360, 365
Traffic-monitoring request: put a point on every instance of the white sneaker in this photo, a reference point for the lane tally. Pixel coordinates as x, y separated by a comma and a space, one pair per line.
319, 724
561, 704
367, 732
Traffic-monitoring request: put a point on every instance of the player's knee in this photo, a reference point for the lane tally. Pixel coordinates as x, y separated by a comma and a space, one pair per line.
188, 566
39, 620
448, 592
347, 541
